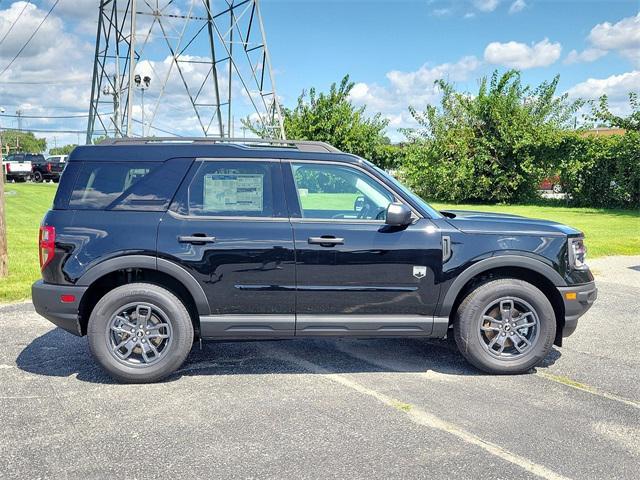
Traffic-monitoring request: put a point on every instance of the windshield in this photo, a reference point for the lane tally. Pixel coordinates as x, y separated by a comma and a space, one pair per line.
433, 213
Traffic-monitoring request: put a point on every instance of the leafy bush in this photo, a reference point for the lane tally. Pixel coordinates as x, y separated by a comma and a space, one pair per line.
486, 147
601, 171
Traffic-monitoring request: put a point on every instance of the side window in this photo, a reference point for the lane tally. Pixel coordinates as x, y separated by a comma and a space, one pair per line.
339, 192
234, 189
146, 186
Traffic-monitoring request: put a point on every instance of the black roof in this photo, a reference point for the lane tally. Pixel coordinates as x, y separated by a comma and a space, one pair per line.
161, 149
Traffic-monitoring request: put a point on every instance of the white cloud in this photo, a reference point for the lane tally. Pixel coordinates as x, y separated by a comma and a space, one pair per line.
623, 36
486, 5
522, 56
415, 88
517, 6
616, 87
588, 55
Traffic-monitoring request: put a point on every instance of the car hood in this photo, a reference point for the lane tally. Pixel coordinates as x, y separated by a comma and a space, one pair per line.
501, 223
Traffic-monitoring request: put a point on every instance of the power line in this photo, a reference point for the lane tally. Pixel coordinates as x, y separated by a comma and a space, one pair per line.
19, 82
44, 117
15, 21
159, 129
29, 39
39, 130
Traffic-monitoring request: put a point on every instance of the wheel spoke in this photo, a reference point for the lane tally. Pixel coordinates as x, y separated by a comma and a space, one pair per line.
129, 344
119, 329
488, 318
153, 348
490, 329
506, 309
143, 314
123, 319
493, 341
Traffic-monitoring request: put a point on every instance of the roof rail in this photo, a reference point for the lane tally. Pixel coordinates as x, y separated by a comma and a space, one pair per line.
302, 145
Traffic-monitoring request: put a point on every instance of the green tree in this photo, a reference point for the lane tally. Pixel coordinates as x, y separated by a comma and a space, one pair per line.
20, 141
601, 114
64, 150
491, 146
331, 117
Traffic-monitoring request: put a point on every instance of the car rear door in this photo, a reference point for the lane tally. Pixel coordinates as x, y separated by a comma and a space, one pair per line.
355, 275
228, 226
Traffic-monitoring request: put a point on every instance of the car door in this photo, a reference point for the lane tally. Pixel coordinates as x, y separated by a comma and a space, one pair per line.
228, 226
355, 275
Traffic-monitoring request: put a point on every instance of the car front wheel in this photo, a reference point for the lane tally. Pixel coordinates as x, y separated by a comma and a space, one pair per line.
505, 326
140, 333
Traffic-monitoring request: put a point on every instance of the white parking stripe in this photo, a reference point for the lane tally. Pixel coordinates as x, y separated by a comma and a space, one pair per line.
422, 417
586, 388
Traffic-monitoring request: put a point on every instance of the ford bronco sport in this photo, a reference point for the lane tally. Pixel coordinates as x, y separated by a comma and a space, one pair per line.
154, 243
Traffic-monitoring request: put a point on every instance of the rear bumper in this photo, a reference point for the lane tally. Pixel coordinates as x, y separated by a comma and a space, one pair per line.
47, 302
585, 295
18, 175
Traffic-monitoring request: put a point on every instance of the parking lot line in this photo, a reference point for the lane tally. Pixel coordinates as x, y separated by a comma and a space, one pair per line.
569, 382
420, 417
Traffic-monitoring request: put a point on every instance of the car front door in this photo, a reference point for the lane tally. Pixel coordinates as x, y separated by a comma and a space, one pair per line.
355, 275
228, 226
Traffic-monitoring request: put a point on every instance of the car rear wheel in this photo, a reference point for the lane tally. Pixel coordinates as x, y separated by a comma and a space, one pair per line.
140, 333
37, 177
505, 326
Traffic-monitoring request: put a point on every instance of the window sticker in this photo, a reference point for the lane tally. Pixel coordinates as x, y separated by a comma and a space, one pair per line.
233, 192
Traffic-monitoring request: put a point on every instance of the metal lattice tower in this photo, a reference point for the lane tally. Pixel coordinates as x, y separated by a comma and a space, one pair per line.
208, 61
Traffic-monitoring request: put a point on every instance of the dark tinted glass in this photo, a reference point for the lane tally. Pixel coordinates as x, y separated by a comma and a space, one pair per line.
35, 158
127, 185
234, 189
67, 180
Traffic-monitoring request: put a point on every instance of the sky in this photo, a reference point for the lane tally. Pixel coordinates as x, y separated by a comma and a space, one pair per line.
392, 50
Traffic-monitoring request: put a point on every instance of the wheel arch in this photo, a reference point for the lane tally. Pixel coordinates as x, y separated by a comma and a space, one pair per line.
141, 268
527, 269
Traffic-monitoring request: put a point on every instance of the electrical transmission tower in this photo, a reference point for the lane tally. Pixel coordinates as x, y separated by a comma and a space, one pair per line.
204, 63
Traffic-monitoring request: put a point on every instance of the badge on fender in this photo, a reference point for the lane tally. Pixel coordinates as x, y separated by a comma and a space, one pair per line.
419, 271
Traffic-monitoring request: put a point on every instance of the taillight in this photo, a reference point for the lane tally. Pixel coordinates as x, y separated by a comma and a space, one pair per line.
48, 167
8, 167
47, 245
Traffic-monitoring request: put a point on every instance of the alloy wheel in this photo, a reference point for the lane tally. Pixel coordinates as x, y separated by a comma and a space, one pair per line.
509, 328
139, 334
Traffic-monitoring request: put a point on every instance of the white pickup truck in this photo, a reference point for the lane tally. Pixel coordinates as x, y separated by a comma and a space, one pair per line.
16, 167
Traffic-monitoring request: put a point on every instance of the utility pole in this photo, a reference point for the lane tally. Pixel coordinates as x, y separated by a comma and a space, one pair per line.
4, 256
224, 43
19, 115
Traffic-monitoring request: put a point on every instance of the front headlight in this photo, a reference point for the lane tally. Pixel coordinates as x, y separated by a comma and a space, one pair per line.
577, 253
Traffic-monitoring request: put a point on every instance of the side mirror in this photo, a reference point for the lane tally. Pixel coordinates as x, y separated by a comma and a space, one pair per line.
398, 215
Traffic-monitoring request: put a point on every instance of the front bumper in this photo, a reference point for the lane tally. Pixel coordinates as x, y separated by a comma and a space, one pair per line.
576, 305
47, 301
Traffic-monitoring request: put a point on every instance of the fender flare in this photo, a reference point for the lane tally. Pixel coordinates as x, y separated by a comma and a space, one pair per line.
150, 263
487, 264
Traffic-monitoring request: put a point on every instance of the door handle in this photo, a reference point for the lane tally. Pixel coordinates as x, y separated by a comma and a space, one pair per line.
197, 238
326, 241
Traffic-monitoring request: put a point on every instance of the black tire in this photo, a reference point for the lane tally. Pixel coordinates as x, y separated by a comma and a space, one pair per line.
100, 336
37, 177
473, 343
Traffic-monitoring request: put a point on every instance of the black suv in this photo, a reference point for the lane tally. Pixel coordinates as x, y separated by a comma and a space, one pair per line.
154, 243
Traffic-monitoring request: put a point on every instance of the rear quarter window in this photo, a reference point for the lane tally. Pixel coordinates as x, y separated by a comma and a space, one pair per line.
145, 186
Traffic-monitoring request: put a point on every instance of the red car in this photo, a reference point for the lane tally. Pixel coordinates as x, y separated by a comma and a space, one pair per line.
551, 183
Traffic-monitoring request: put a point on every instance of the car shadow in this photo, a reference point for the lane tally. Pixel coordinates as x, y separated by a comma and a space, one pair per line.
59, 354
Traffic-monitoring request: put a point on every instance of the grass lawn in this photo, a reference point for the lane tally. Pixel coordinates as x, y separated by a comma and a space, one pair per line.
608, 232
26, 204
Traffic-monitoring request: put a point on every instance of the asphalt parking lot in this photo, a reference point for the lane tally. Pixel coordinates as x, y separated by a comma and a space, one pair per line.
329, 408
